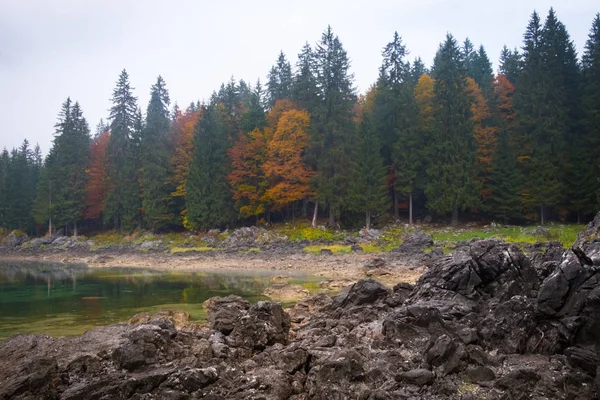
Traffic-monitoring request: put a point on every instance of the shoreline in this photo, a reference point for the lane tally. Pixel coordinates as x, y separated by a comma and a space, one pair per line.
338, 266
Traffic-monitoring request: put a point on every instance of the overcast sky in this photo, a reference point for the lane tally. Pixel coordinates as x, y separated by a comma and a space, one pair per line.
52, 49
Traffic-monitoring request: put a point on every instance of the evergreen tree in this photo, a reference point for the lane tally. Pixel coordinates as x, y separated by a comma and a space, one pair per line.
451, 183
254, 115
208, 195
279, 84
121, 208
333, 121
482, 72
416, 71
396, 120
505, 199
585, 188
20, 189
510, 64
4, 170
304, 86
368, 190
155, 160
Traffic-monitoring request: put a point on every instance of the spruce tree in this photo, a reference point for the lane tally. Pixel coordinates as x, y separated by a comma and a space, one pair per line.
121, 208
155, 160
510, 64
451, 183
4, 169
279, 84
368, 190
254, 114
304, 86
590, 137
333, 121
208, 197
505, 198
396, 120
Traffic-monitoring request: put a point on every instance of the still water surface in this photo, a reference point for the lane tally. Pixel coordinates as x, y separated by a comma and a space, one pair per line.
68, 299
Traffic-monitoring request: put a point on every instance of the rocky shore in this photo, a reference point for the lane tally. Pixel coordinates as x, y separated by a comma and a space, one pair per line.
487, 322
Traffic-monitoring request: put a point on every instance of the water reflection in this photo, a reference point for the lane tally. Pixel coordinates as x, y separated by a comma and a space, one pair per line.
66, 299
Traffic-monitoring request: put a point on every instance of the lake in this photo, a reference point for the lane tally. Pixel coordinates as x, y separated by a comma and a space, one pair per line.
68, 299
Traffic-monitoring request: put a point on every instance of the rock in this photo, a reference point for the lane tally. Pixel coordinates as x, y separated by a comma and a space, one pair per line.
356, 248
362, 292
224, 312
244, 237
151, 245
585, 359
376, 267
415, 242
369, 235
327, 252
480, 374
14, 239
304, 309
419, 377
286, 293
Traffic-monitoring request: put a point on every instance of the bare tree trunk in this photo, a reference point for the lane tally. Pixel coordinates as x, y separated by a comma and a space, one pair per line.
396, 211
304, 207
331, 221
368, 220
454, 215
410, 213
315, 212
293, 213
578, 217
542, 214
75, 229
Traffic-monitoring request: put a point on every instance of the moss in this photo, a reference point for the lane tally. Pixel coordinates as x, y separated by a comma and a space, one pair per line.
316, 249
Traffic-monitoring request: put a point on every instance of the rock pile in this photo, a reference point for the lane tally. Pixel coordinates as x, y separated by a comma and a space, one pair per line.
484, 322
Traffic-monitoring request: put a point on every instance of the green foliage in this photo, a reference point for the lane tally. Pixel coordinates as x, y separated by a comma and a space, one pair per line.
505, 200
208, 201
123, 202
451, 183
155, 161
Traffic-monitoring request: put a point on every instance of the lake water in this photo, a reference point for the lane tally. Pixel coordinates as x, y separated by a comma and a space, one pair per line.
68, 299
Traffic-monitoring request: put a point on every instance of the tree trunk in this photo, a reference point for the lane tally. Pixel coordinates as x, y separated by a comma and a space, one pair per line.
410, 214
75, 229
542, 214
396, 211
368, 220
304, 208
293, 213
331, 221
315, 212
454, 215
579, 217
50, 226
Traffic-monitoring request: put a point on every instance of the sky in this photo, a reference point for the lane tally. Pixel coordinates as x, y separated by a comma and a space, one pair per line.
54, 49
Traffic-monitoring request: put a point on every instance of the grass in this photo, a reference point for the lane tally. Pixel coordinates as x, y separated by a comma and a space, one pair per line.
304, 231
566, 234
316, 249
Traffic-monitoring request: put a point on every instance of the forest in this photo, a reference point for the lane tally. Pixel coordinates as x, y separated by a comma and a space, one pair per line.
454, 139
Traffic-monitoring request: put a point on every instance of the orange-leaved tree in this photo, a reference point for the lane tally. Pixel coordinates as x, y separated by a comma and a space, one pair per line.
289, 177
97, 185
504, 92
247, 179
182, 136
484, 133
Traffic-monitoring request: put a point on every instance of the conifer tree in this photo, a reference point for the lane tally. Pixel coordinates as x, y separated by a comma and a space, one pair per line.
279, 84
334, 122
122, 204
510, 64
4, 168
208, 195
368, 189
451, 183
155, 160
505, 198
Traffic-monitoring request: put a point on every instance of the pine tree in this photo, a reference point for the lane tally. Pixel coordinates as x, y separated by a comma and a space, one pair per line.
4, 169
368, 189
122, 204
254, 115
208, 195
333, 122
451, 183
20, 189
481, 71
505, 198
155, 160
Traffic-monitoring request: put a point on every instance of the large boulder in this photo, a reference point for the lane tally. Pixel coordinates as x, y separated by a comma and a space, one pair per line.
14, 239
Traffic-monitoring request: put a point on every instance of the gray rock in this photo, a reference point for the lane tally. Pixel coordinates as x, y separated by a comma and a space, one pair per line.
420, 377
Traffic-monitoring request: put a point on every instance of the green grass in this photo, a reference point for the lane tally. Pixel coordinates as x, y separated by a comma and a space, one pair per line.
199, 249
316, 249
370, 248
566, 234
304, 231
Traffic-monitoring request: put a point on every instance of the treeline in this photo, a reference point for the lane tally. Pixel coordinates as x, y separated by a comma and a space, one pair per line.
519, 145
